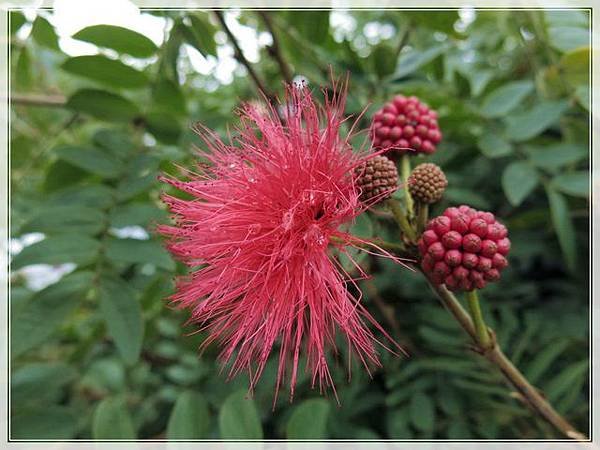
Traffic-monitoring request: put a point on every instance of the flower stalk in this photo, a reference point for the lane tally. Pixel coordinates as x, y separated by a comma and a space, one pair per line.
401, 219
481, 331
405, 171
422, 216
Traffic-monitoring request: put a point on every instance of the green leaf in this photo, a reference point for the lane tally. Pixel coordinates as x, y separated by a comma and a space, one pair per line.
170, 52
466, 196
582, 94
21, 149
43, 33
136, 214
530, 123
119, 39
553, 157
199, 33
65, 219
544, 359
91, 160
132, 251
519, 179
383, 58
39, 382
96, 196
77, 249
563, 226
309, 420
37, 320
116, 142
573, 183
494, 145
123, 317
411, 61
112, 420
459, 430
364, 434
24, 77
422, 412
478, 79
61, 174
507, 97
450, 402
51, 422
105, 375
105, 70
565, 39
238, 418
436, 20
17, 20
190, 418
163, 126
570, 17
19, 299
575, 66
313, 25
132, 186
103, 105
566, 379
397, 424
168, 96
362, 227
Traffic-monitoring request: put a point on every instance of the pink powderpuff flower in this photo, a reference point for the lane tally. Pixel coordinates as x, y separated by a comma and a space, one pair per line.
260, 235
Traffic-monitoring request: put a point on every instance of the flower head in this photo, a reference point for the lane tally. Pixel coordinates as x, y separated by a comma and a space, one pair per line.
259, 235
464, 249
406, 125
377, 179
427, 183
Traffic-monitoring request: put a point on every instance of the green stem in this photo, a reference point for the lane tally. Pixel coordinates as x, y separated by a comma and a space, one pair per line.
422, 216
405, 169
496, 356
481, 331
401, 219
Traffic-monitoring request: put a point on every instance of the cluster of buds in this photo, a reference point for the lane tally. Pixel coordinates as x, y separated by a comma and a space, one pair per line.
406, 125
464, 249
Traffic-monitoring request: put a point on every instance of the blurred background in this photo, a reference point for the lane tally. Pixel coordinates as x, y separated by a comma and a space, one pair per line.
103, 97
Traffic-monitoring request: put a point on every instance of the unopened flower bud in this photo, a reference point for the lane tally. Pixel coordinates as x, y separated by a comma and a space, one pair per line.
377, 179
427, 183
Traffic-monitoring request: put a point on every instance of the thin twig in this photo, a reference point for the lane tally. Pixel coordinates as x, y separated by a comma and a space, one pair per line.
322, 68
274, 49
401, 219
496, 356
53, 101
239, 55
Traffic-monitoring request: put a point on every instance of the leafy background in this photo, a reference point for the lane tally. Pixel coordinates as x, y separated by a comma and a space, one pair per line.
97, 354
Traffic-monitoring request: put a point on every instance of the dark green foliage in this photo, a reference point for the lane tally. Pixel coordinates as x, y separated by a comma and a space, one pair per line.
100, 355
